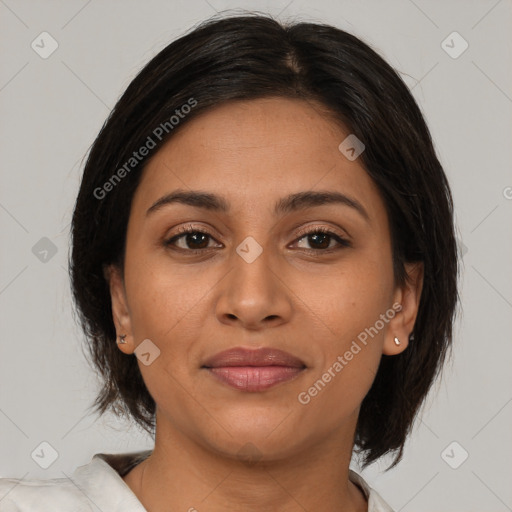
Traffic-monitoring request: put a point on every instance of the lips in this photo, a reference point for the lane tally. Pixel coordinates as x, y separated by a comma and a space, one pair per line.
254, 357
254, 369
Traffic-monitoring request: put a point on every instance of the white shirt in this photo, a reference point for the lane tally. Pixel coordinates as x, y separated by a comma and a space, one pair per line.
98, 485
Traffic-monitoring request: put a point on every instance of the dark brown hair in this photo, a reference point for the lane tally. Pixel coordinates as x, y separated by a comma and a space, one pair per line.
255, 56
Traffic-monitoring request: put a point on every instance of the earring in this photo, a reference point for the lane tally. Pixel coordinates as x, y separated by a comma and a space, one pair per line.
122, 339
397, 341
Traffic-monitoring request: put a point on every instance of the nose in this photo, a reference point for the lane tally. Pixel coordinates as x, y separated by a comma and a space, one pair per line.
253, 294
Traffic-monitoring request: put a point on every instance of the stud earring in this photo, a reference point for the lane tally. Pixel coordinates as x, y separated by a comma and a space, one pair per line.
397, 341
122, 339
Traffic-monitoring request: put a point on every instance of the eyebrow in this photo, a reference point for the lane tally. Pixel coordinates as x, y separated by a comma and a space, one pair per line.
288, 204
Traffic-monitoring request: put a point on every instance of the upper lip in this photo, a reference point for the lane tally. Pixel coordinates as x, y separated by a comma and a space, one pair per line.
266, 356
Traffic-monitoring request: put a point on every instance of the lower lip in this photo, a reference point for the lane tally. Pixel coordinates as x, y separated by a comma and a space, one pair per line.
254, 378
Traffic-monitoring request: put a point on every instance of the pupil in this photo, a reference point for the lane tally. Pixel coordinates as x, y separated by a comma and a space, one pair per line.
321, 235
194, 236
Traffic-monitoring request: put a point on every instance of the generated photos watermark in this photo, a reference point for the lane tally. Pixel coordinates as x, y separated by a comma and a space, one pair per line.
150, 143
305, 397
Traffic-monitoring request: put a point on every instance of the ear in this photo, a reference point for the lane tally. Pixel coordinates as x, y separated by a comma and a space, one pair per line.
120, 311
408, 296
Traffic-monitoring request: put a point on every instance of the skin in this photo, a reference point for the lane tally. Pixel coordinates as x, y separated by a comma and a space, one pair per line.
192, 306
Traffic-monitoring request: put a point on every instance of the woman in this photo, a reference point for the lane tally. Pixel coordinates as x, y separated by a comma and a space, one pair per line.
264, 263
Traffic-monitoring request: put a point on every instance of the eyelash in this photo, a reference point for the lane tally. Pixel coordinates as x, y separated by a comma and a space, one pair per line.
343, 243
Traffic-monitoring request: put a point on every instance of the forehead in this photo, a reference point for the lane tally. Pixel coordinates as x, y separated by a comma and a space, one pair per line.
255, 152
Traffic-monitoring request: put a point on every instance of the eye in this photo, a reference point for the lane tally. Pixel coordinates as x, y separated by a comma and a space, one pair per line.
192, 239
321, 240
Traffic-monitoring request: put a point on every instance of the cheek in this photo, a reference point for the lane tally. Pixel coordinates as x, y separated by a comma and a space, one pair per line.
349, 358
163, 297
346, 300
339, 388
356, 310
165, 308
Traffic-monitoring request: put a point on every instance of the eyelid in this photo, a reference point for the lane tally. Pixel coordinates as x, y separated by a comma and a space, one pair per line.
301, 233
325, 228
191, 228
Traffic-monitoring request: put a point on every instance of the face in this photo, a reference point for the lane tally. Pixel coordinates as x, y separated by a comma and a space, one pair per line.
309, 277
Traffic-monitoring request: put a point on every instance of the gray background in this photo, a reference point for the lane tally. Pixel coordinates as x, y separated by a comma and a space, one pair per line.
51, 109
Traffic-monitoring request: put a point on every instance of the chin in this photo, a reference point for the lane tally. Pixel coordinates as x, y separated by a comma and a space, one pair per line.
251, 436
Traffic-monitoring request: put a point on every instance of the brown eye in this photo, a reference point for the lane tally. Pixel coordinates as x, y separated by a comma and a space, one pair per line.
194, 240
321, 240
191, 240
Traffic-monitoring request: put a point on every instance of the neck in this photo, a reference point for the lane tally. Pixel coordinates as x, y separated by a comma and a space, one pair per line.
182, 475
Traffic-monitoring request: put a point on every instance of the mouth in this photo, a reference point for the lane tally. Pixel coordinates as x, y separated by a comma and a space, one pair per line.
254, 370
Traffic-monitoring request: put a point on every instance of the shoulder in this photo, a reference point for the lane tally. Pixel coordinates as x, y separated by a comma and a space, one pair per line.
19, 495
375, 501
92, 486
